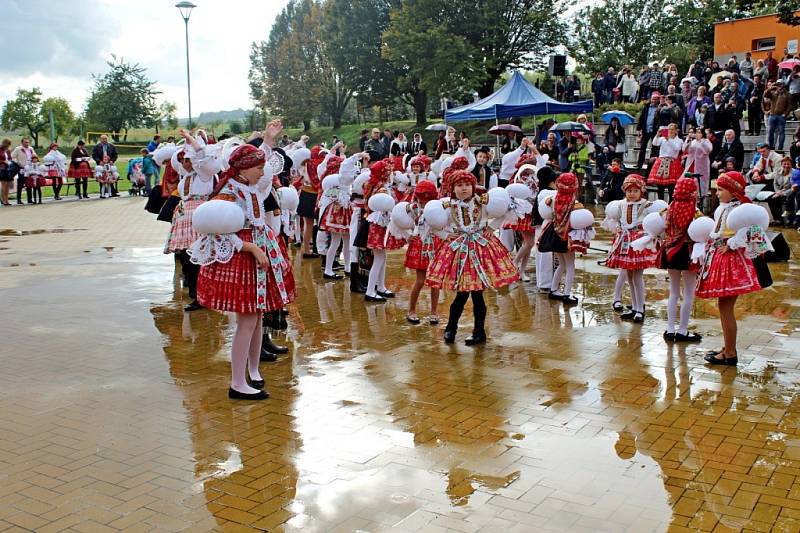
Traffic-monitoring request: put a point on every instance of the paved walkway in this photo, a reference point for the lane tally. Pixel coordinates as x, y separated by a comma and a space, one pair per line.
114, 415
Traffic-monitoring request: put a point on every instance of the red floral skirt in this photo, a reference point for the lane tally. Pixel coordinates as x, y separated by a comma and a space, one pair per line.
336, 219
83, 170
726, 274
419, 254
522, 224
376, 238
234, 286
623, 256
665, 171
471, 262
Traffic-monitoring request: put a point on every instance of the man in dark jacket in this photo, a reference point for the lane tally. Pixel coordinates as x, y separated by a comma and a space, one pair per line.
718, 115
731, 147
105, 149
647, 127
598, 85
609, 83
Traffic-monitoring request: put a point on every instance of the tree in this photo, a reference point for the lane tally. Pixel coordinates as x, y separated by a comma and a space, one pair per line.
63, 117
786, 13
122, 98
166, 116
25, 111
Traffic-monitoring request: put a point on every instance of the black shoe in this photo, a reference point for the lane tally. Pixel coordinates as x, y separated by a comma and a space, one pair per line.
310, 256
386, 294
194, 306
689, 337
569, 300
271, 347
554, 296
617, 306
257, 383
449, 336
356, 287
669, 337
725, 361
475, 338
638, 317
271, 321
628, 315
282, 314
19, 202
236, 395
369, 298
332, 276
337, 265
267, 357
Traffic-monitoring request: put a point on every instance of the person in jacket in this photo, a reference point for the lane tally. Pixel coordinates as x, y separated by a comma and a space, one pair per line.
780, 109
628, 86
647, 126
731, 147
7, 171
103, 150
718, 116
598, 86
22, 156
615, 138
696, 104
778, 203
417, 146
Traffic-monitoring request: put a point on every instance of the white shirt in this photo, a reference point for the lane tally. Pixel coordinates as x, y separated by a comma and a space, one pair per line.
668, 147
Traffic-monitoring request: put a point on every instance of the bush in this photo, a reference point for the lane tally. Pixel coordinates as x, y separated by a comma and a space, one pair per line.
633, 109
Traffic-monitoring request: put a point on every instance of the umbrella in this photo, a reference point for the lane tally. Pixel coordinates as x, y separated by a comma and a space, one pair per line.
789, 64
716, 76
623, 117
503, 128
571, 126
437, 127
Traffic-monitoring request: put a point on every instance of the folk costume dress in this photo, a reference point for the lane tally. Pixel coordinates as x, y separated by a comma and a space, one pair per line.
529, 180
471, 258
194, 188
622, 255
676, 249
79, 166
423, 243
230, 279
56, 164
667, 167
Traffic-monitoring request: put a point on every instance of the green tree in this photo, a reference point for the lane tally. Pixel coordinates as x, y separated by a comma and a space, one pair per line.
122, 98
166, 116
25, 111
63, 117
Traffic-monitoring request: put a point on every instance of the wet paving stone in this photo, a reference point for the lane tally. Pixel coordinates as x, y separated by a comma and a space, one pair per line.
114, 413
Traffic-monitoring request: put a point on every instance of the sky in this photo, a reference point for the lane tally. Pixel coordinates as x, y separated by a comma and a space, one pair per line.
57, 45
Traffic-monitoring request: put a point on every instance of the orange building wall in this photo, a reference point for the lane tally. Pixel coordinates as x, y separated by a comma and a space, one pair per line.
738, 36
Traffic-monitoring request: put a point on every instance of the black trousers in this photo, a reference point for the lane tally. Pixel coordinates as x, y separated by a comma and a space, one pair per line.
646, 137
20, 186
81, 184
478, 308
190, 271
668, 188
755, 119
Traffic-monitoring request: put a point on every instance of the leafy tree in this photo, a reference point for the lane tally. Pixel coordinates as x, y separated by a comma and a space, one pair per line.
236, 127
167, 116
63, 117
122, 98
25, 111
786, 13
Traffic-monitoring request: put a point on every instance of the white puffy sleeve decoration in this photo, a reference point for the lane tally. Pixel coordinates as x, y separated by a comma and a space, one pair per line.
749, 221
217, 221
581, 222
699, 232
613, 215
653, 225
206, 166
508, 163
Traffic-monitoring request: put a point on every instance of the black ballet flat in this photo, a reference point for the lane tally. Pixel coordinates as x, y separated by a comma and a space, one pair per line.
553, 296
569, 300
358, 289
449, 337
617, 306
475, 338
638, 317
669, 337
725, 361
194, 306
369, 298
628, 315
689, 337
257, 383
236, 395
386, 294
332, 276
271, 347
267, 356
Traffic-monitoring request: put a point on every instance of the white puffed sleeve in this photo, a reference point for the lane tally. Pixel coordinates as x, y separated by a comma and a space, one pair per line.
206, 166
217, 221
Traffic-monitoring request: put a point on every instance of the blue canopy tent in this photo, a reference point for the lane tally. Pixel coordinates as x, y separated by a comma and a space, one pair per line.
517, 98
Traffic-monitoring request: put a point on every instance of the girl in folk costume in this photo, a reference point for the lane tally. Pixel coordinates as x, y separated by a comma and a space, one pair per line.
524, 180
35, 173
674, 255
329, 166
667, 168
407, 217
197, 170
419, 170
379, 205
555, 237
79, 169
472, 258
107, 175
626, 224
304, 162
242, 268
335, 212
738, 237
56, 164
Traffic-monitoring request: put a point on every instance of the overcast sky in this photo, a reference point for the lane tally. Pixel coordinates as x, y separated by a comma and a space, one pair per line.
57, 45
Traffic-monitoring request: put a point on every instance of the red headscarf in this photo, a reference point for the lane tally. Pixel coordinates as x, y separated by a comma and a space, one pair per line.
680, 214
378, 174
459, 176
244, 157
459, 163
734, 183
634, 181
566, 194
421, 160
334, 163
525, 159
425, 189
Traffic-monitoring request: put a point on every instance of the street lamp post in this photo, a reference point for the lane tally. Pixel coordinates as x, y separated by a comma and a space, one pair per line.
185, 9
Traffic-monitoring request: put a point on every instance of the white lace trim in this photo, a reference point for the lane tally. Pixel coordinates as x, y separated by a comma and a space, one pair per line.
214, 248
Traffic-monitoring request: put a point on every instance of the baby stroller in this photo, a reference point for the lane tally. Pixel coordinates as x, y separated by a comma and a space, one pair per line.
136, 177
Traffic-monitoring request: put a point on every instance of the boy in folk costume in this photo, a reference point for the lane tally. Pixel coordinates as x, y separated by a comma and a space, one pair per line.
358, 280
56, 164
728, 270
107, 175
197, 171
471, 258
35, 173
626, 224
242, 268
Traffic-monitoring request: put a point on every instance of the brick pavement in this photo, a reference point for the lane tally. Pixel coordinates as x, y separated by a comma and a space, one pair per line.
113, 413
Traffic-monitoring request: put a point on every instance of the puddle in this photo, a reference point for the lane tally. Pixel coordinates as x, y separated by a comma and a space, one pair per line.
22, 233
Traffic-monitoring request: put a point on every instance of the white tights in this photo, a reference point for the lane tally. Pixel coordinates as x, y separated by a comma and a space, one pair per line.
619, 286
689, 279
377, 274
566, 263
333, 249
246, 352
636, 281
507, 238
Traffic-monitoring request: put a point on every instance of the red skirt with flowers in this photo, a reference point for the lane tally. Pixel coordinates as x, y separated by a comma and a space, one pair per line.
239, 286
376, 238
728, 273
419, 254
471, 262
336, 219
665, 171
622, 254
522, 224
83, 170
